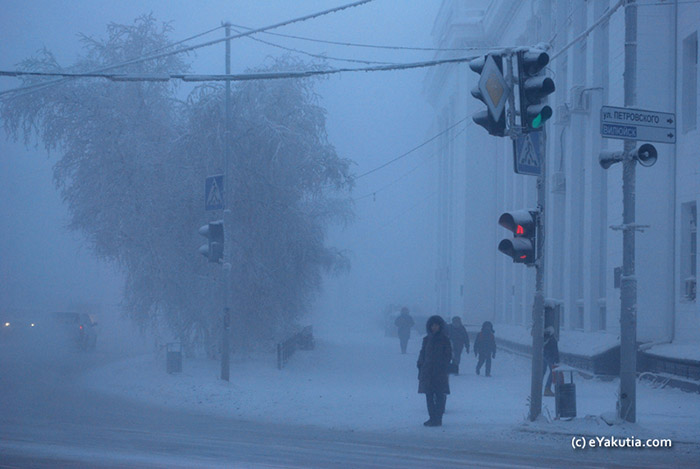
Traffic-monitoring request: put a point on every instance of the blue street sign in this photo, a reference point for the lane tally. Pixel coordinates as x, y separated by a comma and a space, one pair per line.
527, 154
637, 124
214, 193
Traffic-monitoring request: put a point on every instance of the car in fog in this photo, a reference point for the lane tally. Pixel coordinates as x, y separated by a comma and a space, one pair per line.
75, 330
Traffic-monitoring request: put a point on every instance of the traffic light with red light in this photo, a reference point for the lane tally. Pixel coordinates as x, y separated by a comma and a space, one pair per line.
522, 247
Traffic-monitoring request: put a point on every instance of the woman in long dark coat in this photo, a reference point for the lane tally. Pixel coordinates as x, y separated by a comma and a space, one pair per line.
433, 360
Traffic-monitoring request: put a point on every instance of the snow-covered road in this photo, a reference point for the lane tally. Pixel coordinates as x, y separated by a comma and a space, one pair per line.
349, 403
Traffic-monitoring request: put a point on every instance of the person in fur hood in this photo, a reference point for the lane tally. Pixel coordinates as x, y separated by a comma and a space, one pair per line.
433, 360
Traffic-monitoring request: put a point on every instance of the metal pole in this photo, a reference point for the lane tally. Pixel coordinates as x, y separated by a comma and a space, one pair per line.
627, 399
226, 270
538, 304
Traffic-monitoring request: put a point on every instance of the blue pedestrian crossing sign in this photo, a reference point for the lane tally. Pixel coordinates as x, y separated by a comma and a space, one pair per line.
214, 193
527, 154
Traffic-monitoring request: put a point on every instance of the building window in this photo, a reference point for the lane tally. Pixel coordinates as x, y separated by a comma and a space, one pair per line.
689, 102
689, 251
602, 314
578, 320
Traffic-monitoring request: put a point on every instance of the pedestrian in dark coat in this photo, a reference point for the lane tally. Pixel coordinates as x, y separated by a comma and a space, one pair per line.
404, 322
459, 339
433, 360
550, 354
485, 347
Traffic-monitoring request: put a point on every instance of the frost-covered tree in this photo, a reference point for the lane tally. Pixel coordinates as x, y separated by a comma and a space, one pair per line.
131, 166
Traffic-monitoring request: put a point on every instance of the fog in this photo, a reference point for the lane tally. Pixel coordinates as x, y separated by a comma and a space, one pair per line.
376, 191
372, 118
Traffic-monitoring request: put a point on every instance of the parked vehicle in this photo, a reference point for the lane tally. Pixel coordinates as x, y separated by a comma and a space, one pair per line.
77, 329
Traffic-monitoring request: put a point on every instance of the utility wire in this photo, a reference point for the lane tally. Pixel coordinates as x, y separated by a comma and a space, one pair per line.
400, 215
320, 56
372, 46
373, 193
585, 34
237, 77
43, 85
565, 25
216, 41
411, 150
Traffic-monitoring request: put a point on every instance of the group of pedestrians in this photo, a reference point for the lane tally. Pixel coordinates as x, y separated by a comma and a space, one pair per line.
441, 352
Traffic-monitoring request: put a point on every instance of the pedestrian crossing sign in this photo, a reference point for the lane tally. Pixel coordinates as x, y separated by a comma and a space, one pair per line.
214, 193
527, 154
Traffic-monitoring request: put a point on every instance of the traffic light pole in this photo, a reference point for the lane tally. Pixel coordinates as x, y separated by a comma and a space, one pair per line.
226, 270
538, 304
627, 399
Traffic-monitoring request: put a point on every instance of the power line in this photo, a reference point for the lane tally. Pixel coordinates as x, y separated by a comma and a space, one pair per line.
372, 46
565, 25
237, 77
404, 212
216, 41
320, 56
374, 193
585, 34
411, 150
61, 80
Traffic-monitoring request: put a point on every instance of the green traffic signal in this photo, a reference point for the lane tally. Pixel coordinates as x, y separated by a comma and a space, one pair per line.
537, 121
533, 88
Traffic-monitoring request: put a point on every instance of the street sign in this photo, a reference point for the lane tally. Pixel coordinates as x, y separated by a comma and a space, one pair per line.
214, 193
637, 124
527, 154
493, 88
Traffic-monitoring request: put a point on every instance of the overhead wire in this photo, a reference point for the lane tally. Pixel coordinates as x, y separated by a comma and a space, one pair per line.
216, 41
375, 192
404, 212
371, 46
588, 31
417, 147
320, 56
241, 76
38, 86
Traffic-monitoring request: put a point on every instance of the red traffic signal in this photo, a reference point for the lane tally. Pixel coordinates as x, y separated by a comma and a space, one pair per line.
522, 247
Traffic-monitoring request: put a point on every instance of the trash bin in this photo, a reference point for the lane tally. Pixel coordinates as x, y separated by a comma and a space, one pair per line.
173, 358
565, 395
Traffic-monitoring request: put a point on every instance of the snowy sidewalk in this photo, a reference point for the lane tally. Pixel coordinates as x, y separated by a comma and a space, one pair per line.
363, 383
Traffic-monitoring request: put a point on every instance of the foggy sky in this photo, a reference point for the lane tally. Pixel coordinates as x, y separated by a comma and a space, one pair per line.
372, 118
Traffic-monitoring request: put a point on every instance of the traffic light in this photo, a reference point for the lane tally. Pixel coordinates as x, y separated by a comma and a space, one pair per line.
522, 247
533, 88
492, 91
214, 249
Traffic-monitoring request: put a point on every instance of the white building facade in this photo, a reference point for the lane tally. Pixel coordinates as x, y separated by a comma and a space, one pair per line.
476, 181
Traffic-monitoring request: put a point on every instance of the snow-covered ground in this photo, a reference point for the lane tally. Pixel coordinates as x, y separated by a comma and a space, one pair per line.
361, 382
